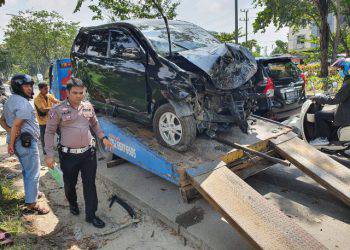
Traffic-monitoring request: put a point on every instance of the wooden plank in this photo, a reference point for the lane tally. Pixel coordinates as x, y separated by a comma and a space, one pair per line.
262, 224
319, 166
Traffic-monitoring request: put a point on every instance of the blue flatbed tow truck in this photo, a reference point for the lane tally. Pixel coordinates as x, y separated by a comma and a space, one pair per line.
216, 171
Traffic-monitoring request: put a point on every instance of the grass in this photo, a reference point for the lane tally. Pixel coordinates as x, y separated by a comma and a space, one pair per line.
10, 213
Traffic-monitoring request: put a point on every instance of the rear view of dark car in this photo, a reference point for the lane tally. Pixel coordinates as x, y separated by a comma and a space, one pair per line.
283, 84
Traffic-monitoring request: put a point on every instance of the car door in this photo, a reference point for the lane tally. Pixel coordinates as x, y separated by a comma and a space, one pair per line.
92, 66
127, 66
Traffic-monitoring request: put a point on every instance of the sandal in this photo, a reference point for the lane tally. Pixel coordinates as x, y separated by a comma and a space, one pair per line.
37, 209
5, 238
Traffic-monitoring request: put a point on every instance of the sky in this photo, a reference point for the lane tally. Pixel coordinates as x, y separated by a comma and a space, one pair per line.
213, 15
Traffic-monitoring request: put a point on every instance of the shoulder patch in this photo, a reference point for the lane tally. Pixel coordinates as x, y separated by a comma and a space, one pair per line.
52, 115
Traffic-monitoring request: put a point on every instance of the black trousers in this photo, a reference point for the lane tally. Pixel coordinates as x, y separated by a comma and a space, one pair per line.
323, 121
86, 163
42, 137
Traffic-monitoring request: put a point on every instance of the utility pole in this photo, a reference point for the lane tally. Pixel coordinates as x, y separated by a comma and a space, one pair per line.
246, 19
236, 21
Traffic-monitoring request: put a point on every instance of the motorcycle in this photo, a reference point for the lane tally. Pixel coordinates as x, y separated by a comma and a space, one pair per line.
339, 147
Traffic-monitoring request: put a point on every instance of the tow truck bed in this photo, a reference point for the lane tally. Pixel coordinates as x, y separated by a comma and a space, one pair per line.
216, 171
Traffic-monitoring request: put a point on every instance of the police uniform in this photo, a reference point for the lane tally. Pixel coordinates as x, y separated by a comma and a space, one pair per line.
76, 149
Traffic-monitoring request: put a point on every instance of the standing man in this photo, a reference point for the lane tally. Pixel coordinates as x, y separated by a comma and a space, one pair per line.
23, 134
43, 102
77, 153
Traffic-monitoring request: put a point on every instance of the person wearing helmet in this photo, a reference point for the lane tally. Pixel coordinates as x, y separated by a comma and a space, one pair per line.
341, 115
23, 135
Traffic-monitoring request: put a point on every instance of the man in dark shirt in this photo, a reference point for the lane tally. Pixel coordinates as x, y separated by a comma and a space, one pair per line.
341, 115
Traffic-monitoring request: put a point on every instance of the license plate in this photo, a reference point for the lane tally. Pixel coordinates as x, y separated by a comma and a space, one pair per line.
291, 95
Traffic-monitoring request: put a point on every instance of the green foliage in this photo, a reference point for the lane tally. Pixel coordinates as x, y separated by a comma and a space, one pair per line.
5, 61
34, 38
297, 14
126, 9
253, 46
321, 84
281, 48
281, 13
10, 212
226, 37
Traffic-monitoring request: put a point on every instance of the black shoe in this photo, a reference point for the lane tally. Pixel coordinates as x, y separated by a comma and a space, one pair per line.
97, 222
74, 210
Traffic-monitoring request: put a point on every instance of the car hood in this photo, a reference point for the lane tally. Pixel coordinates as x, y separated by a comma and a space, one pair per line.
228, 65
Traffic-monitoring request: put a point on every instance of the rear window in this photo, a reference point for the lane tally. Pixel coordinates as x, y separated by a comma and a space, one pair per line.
280, 70
98, 43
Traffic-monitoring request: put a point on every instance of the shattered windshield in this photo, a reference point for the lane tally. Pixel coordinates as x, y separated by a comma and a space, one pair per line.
184, 36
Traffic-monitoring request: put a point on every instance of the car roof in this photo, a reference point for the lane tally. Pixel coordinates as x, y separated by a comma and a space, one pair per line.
135, 23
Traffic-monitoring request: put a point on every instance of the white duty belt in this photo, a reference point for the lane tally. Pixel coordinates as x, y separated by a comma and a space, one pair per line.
78, 150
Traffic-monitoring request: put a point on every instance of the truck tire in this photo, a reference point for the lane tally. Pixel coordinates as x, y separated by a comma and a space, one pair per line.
174, 132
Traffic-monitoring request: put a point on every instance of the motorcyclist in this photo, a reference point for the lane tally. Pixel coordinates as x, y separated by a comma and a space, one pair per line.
339, 116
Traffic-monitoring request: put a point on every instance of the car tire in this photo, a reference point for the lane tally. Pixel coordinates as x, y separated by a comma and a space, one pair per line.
170, 138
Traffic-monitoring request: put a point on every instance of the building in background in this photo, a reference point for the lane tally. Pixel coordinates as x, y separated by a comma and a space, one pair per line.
299, 41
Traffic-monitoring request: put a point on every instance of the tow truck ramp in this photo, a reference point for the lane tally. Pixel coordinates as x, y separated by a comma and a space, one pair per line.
217, 171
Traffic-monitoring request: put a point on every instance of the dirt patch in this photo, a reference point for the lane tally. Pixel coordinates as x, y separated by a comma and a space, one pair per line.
61, 230
191, 217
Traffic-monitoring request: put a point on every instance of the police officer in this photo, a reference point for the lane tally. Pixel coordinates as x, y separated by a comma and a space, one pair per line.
22, 137
74, 117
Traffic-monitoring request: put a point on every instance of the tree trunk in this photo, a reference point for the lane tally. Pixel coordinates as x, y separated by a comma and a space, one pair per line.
323, 7
345, 44
337, 32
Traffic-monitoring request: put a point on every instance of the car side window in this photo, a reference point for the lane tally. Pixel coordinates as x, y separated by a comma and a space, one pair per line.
122, 45
80, 43
98, 43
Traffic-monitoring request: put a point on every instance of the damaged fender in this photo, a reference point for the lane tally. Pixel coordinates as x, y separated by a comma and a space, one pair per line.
182, 109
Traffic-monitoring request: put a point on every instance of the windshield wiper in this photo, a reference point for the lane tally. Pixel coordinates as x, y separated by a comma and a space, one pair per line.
178, 45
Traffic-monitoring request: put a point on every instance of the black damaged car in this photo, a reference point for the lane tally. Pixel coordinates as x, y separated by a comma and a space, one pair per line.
201, 85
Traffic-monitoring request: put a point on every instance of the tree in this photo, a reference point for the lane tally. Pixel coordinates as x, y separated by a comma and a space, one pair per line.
5, 61
337, 32
226, 37
281, 48
297, 14
253, 46
35, 38
345, 28
2, 2
323, 8
126, 9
